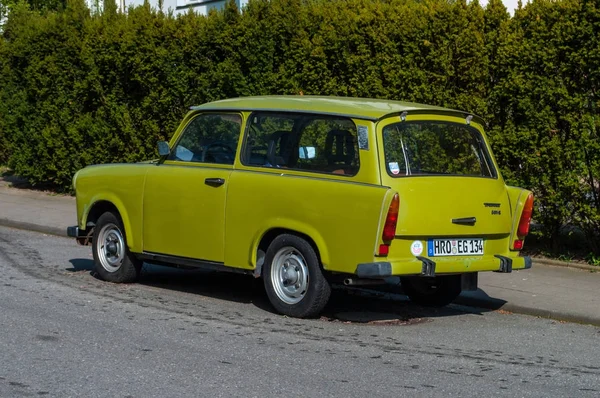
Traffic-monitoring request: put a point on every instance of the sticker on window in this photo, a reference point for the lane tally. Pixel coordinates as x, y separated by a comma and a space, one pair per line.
394, 168
363, 137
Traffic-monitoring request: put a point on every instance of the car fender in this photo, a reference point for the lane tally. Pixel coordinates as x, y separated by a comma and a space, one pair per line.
292, 226
115, 201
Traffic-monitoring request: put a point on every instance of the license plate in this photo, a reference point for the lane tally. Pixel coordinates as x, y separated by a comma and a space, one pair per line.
455, 247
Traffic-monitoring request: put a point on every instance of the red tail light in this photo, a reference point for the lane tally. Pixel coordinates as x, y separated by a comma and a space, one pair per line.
384, 250
524, 222
523, 229
518, 245
389, 229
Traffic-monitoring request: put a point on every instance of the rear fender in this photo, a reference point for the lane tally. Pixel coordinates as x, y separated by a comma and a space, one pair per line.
385, 206
292, 226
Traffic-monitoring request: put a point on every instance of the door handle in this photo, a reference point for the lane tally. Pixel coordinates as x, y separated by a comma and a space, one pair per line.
214, 182
464, 221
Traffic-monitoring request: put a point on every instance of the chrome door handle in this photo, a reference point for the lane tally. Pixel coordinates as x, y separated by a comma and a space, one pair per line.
214, 182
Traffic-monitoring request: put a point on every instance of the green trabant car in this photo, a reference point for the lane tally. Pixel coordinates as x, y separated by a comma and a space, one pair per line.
306, 192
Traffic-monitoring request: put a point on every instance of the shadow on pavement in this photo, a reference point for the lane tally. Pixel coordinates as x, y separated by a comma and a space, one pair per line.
346, 304
480, 298
81, 264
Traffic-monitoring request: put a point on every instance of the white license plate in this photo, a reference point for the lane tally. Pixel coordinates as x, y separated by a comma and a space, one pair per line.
455, 247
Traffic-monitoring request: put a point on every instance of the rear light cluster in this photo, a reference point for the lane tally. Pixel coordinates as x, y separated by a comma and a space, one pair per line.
389, 229
524, 222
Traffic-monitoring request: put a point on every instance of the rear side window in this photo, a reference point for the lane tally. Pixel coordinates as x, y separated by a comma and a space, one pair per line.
435, 148
314, 143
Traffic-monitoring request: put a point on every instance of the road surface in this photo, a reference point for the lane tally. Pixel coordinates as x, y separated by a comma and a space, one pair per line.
64, 333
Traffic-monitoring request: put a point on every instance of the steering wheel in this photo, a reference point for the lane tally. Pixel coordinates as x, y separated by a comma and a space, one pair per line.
219, 144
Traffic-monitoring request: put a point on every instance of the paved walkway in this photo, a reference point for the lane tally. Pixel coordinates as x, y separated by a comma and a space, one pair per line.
553, 292
36, 211
549, 291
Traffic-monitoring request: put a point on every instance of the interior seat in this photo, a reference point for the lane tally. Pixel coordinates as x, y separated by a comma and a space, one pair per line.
340, 152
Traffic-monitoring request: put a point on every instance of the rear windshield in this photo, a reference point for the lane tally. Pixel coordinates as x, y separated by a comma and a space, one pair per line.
435, 148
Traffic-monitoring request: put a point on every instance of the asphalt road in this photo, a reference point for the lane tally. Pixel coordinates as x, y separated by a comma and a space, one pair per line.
64, 333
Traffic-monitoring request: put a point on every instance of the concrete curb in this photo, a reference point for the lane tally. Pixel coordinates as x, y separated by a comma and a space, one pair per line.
5, 222
555, 263
492, 304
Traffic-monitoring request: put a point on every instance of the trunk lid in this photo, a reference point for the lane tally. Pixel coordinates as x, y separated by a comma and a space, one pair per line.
452, 207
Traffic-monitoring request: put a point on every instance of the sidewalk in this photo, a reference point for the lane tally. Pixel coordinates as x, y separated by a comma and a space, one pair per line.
556, 292
36, 211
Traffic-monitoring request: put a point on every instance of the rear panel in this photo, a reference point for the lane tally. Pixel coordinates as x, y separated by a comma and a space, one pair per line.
454, 205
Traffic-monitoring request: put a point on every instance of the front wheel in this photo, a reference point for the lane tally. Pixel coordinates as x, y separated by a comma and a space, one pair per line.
432, 292
293, 278
113, 261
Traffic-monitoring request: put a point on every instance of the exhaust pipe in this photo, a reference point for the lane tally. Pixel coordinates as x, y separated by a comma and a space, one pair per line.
363, 282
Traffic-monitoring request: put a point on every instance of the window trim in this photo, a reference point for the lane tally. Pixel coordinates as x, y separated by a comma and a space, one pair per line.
183, 129
243, 151
487, 152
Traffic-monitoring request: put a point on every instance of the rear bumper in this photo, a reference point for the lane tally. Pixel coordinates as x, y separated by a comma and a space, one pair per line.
430, 267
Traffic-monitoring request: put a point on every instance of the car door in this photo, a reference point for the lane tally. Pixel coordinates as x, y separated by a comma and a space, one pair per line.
185, 196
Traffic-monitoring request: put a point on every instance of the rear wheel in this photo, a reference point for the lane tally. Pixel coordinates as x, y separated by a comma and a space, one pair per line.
293, 278
432, 292
113, 261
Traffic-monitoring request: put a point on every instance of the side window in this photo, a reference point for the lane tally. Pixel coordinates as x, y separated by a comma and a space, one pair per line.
209, 138
313, 143
268, 141
330, 146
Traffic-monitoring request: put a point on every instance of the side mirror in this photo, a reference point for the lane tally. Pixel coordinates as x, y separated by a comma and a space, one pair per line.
307, 152
163, 148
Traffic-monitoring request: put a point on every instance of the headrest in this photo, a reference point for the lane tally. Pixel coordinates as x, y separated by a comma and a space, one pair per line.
344, 147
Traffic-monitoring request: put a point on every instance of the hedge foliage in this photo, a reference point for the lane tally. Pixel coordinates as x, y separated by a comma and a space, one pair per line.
79, 88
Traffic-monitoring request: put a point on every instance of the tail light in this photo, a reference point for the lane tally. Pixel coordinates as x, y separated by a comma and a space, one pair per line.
389, 229
524, 222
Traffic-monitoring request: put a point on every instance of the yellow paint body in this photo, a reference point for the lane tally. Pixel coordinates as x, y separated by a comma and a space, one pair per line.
167, 208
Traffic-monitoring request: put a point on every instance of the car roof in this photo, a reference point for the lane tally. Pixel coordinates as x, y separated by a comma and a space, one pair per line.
360, 108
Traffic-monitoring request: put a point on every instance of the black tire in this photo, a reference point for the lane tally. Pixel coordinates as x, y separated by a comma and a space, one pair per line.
126, 267
432, 292
314, 289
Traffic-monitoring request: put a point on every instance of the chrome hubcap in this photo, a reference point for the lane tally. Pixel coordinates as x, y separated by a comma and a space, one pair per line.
111, 250
289, 275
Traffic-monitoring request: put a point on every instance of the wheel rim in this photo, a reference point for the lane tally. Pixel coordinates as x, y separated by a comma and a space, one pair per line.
111, 248
289, 275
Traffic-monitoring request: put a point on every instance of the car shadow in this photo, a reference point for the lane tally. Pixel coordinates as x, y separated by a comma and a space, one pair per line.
81, 264
362, 305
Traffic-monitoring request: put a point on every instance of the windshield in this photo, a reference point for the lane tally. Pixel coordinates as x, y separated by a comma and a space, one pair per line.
435, 148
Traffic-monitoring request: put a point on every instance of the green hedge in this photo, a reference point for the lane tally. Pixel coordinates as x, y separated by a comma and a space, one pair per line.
78, 89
